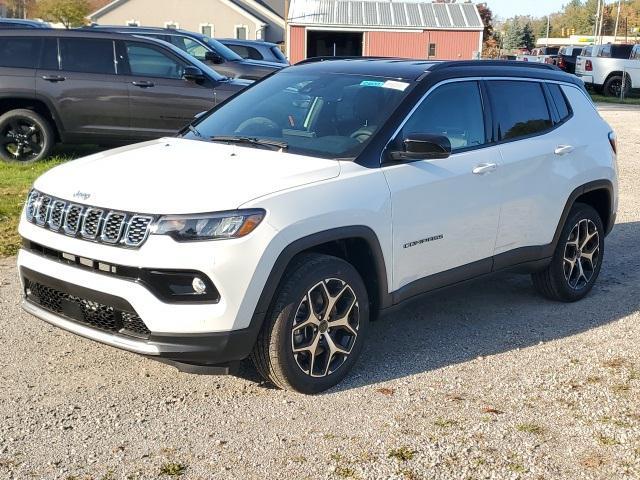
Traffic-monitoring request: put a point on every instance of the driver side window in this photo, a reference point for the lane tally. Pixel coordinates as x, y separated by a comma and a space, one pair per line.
148, 61
453, 110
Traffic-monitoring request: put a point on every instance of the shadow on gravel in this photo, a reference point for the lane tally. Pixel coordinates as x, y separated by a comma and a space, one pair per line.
495, 315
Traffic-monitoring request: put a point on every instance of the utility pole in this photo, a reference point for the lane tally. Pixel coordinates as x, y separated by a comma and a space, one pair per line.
548, 28
595, 26
615, 34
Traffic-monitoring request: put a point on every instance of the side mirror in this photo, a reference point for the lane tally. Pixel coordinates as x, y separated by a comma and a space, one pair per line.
422, 146
193, 74
214, 57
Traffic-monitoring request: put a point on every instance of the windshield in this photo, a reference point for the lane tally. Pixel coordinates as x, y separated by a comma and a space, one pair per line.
222, 50
324, 115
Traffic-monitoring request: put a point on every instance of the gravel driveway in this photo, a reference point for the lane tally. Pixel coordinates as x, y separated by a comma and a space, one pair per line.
486, 380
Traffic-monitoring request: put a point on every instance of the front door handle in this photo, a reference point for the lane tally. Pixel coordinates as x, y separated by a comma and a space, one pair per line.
143, 84
483, 168
564, 149
53, 78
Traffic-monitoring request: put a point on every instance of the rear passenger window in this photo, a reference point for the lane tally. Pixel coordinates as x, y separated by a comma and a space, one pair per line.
520, 107
19, 52
87, 55
453, 110
560, 101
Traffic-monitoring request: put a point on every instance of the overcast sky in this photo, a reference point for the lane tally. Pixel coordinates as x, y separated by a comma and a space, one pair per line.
538, 8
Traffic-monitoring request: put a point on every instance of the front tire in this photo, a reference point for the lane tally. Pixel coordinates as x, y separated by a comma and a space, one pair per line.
577, 259
315, 328
25, 136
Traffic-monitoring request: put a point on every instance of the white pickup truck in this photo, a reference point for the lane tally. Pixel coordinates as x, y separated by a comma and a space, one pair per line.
610, 68
539, 55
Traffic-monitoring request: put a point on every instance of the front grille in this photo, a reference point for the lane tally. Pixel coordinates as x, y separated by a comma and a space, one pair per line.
86, 222
88, 312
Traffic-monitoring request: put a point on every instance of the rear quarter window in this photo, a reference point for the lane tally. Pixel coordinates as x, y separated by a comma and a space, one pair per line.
20, 52
559, 101
520, 108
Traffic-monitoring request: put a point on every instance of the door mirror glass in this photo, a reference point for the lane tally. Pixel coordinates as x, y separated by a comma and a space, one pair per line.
422, 146
212, 56
193, 74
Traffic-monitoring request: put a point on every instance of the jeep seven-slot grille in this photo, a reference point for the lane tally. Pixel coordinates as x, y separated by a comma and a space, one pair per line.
89, 312
89, 223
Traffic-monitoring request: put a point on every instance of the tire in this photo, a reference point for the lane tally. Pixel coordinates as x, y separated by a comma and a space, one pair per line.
613, 86
328, 343
571, 275
25, 136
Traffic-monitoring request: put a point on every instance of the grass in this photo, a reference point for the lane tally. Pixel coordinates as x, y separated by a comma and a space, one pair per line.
530, 428
15, 181
632, 100
403, 453
172, 469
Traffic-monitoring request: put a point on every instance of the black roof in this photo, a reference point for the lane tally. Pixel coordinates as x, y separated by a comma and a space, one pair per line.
408, 69
60, 32
19, 22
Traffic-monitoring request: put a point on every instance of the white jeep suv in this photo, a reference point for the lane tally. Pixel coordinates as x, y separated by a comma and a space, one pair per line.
279, 224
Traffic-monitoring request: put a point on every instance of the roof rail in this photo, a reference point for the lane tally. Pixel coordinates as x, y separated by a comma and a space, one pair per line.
493, 63
348, 57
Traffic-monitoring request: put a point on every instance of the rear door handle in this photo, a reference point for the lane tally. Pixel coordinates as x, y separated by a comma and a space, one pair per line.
143, 84
564, 149
483, 168
53, 78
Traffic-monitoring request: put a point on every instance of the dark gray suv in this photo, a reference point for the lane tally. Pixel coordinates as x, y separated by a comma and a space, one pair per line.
206, 49
98, 88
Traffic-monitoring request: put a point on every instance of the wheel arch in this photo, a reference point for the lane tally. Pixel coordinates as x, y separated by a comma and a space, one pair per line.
37, 105
599, 194
358, 244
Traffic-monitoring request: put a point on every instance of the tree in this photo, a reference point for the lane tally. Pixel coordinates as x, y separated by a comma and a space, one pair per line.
513, 34
528, 38
70, 13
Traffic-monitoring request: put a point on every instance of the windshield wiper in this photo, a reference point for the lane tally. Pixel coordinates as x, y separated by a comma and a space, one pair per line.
262, 142
194, 130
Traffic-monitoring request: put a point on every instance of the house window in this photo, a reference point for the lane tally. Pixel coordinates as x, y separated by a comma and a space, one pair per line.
171, 25
241, 32
206, 29
133, 23
432, 50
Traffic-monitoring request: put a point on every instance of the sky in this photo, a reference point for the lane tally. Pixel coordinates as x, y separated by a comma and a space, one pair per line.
538, 8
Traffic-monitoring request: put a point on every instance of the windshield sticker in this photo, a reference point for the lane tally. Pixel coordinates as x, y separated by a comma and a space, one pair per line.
371, 83
402, 86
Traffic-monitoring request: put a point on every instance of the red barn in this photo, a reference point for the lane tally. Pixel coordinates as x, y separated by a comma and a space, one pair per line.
405, 28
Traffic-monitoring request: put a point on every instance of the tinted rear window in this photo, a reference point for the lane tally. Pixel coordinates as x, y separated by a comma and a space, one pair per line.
520, 107
20, 52
559, 101
87, 55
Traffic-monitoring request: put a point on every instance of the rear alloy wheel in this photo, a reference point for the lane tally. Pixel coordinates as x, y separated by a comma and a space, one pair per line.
577, 260
613, 86
314, 331
25, 136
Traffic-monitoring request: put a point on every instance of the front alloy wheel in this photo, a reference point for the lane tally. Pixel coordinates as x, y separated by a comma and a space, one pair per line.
315, 327
25, 136
325, 327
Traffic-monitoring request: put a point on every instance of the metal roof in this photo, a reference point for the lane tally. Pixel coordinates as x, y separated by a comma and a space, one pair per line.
390, 14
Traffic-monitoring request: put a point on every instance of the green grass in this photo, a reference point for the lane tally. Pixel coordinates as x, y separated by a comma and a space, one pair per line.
15, 181
632, 100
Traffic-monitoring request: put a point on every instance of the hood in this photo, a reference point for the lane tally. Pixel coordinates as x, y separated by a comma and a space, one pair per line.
262, 63
173, 176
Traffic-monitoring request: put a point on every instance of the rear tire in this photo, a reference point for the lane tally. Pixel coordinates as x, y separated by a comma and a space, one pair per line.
315, 328
613, 86
577, 259
25, 136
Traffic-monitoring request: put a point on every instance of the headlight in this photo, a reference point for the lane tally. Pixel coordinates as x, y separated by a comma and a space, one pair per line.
208, 226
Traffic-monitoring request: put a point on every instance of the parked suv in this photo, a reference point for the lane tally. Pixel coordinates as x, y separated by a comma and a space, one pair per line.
104, 88
208, 50
256, 50
17, 23
286, 219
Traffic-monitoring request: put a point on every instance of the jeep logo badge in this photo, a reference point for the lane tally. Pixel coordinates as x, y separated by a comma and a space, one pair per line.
82, 195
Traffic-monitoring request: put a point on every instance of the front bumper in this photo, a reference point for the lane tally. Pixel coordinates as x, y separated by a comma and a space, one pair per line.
215, 353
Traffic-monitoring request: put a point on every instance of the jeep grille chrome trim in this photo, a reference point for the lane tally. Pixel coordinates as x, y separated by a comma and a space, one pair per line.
85, 222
